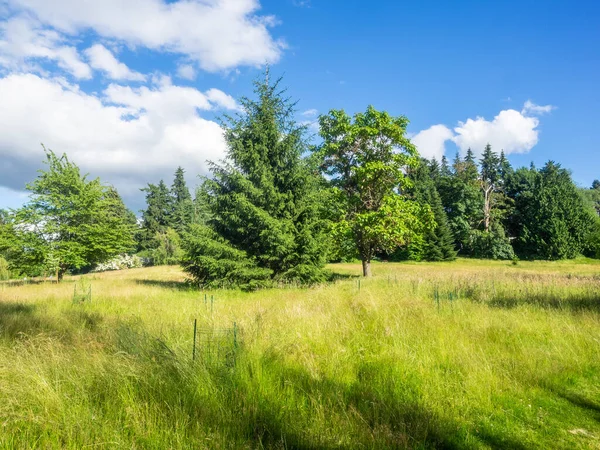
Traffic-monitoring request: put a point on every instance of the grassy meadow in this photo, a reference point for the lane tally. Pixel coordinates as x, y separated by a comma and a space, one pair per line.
472, 354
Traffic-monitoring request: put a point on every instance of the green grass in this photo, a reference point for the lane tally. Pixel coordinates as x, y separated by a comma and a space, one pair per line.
512, 361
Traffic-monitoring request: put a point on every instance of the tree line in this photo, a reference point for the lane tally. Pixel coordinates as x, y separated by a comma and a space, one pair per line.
278, 208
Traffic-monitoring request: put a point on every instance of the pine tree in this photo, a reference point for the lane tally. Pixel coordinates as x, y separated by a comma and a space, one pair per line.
470, 172
156, 218
182, 206
438, 243
457, 165
263, 208
445, 168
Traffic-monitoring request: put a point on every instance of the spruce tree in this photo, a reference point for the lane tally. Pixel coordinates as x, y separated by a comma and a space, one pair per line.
182, 206
438, 243
263, 220
156, 218
470, 172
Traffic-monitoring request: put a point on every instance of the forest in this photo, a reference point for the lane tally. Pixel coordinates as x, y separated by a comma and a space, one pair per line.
279, 207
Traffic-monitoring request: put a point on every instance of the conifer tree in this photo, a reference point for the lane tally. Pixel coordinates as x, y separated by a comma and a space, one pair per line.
554, 220
182, 206
156, 218
438, 242
263, 220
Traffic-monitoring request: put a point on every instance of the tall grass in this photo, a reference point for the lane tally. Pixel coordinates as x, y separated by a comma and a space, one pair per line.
465, 355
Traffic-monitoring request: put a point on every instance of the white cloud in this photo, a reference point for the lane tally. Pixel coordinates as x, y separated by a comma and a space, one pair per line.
127, 137
216, 34
222, 99
531, 108
101, 58
23, 40
186, 71
431, 142
512, 131
310, 113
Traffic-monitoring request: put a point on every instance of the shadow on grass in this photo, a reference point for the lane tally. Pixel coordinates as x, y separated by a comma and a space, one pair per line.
188, 286
578, 400
19, 320
173, 285
579, 303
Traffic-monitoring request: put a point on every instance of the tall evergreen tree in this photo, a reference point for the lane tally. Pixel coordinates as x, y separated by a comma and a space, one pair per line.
470, 171
182, 206
263, 207
156, 218
438, 242
462, 200
444, 167
554, 221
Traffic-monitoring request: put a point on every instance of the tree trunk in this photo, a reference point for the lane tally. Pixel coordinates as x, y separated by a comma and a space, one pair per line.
60, 273
366, 264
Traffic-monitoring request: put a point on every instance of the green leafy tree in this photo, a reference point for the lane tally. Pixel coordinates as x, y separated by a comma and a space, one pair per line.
263, 212
70, 222
365, 157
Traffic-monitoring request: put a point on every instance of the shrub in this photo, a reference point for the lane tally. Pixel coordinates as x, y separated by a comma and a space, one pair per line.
119, 262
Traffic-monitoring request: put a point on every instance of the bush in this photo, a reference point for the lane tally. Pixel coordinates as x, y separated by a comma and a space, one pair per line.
119, 263
493, 244
4, 270
168, 252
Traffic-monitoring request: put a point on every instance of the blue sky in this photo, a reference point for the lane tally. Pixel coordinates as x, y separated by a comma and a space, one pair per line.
130, 89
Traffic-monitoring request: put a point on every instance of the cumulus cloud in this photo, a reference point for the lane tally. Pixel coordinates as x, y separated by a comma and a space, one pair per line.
126, 136
431, 142
216, 34
101, 58
23, 40
511, 130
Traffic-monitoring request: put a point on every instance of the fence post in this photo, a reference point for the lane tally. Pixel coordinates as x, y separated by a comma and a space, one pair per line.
194, 347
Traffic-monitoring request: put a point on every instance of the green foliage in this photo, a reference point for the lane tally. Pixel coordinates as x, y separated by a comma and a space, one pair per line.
365, 158
157, 215
69, 223
5, 272
262, 207
491, 244
463, 201
169, 250
182, 213
211, 261
437, 243
553, 220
